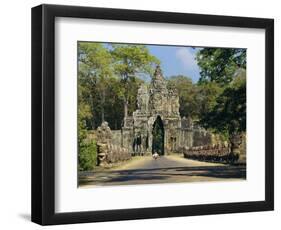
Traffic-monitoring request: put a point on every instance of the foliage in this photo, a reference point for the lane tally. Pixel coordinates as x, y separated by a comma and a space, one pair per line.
87, 157
87, 150
206, 96
113, 116
228, 116
133, 59
223, 81
96, 59
107, 79
187, 91
195, 99
129, 61
220, 64
95, 68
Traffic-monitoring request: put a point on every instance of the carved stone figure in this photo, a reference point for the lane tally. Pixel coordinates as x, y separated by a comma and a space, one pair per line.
104, 133
142, 99
103, 140
158, 103
107, 151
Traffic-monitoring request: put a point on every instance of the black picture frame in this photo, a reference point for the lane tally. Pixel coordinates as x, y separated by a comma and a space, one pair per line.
43, 114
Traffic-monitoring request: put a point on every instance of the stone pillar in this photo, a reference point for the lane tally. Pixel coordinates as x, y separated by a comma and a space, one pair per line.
236, 141
104, 137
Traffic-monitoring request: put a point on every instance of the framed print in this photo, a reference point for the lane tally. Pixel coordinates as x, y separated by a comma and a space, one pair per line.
143, 114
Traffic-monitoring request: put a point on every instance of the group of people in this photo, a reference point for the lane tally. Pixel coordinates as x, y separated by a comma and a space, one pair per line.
137, 148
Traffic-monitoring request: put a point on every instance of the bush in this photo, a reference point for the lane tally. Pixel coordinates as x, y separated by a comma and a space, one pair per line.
87, 155
87, 150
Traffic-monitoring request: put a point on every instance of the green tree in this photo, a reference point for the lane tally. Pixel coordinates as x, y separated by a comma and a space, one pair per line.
87, 157
87, 149
228, 115
220, 64
134, 84
187, 92
195, 99
131, 60
225, 112
95, 68
206, 96
114, 104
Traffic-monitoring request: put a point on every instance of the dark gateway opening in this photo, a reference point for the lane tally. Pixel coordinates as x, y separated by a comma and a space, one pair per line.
158, 137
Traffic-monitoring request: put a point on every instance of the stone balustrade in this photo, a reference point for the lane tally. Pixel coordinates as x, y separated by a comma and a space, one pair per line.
211, 153
108, 152
117, 153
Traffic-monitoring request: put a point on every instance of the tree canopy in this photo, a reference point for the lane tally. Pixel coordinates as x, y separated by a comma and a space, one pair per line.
226, 69
129, 61
109, 77
220, 64
187, 92
228, 116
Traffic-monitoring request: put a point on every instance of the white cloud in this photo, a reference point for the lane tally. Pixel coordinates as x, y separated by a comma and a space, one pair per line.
187, 58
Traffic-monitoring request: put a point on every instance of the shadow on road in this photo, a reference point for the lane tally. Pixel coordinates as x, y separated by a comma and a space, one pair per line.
164, 174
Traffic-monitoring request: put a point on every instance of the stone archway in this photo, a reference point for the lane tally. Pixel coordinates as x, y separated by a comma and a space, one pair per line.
158, 135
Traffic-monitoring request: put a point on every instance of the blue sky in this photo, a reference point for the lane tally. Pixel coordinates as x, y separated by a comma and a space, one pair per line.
176, 60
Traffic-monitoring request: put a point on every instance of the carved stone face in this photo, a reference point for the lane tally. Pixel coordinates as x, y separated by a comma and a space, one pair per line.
142, 99
157, 99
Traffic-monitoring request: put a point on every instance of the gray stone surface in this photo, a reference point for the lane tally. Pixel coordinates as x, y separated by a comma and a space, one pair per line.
109, 148
156, 100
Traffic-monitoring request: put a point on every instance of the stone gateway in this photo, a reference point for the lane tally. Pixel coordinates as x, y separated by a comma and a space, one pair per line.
156, 125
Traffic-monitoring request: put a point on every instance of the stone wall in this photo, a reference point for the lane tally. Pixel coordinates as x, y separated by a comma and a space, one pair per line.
213, 153
202, 138
127, 138
116, 137
117, 154
219, 152
194, 137
243, 148
175, 139
115, 140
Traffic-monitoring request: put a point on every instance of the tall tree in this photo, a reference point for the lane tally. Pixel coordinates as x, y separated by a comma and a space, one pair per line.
206, 96
131, 60
228, 115
220, 64
187, 92
95, 68
225, 67
114, 104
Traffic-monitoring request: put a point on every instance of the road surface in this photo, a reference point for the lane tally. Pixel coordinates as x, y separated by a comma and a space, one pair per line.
166, 169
